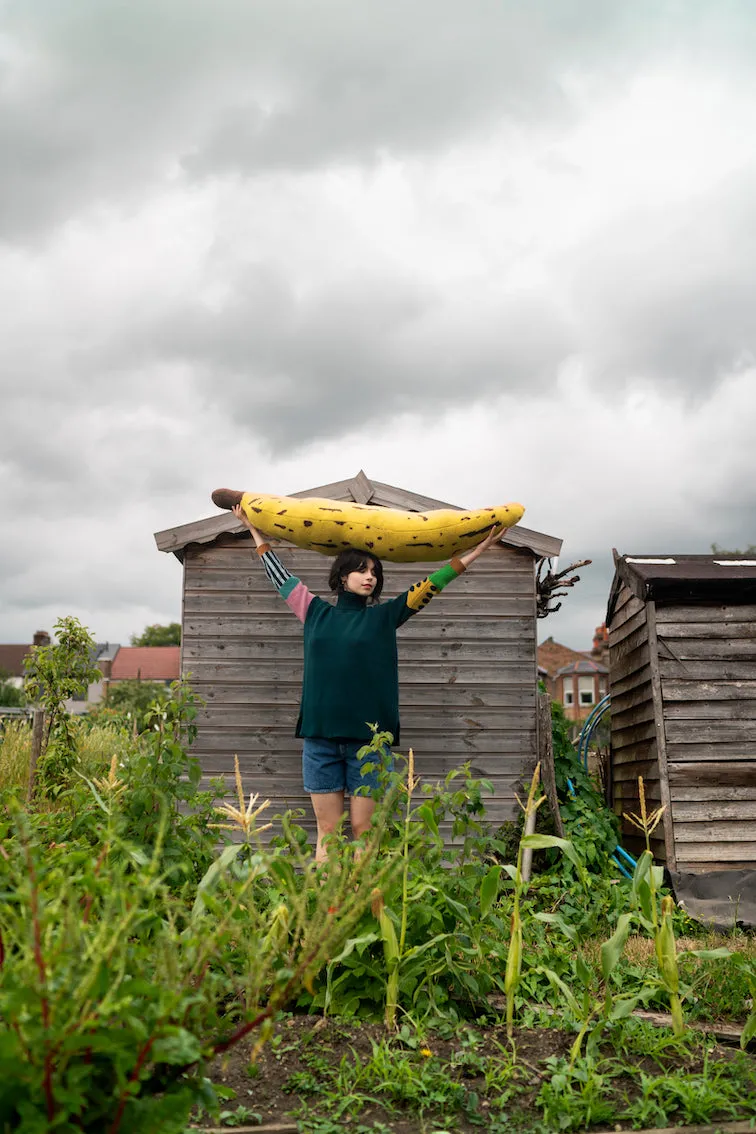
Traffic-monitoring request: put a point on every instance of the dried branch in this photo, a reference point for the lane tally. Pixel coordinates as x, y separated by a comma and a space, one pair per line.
546, 586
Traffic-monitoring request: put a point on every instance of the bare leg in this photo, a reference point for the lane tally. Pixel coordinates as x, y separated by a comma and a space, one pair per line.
329, 811
360, 813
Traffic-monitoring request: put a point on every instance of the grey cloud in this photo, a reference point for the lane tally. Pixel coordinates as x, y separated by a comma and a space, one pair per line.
297, 370
101, 100
667, 296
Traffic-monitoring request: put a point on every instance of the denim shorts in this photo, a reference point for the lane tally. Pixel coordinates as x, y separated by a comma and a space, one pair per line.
333, 765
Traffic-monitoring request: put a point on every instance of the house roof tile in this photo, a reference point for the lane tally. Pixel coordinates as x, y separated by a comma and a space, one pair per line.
147, 663
554, 656
12, 659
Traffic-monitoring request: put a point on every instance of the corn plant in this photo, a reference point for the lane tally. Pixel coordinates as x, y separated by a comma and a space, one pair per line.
655, 911
114, 991
513, 972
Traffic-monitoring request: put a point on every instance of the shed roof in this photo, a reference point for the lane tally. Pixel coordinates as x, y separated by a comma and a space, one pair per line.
363, 491
146, 663
698, 579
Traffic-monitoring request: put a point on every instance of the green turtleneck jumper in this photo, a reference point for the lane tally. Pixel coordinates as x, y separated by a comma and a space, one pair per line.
351, 678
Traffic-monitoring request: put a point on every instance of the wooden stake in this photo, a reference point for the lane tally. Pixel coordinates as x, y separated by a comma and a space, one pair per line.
38, 732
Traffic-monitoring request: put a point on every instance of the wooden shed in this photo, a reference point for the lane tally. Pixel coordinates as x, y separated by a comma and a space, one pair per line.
468, 672
682, 658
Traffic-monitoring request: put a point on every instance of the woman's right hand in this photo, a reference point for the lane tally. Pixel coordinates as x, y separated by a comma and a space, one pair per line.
241, 515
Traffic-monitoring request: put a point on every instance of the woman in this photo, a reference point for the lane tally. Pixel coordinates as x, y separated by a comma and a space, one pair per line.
350, 678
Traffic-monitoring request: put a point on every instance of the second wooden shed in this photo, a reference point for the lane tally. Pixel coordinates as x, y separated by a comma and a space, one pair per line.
682, 658
468, 674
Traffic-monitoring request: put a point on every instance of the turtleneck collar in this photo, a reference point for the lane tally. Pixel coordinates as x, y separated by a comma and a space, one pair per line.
348, 601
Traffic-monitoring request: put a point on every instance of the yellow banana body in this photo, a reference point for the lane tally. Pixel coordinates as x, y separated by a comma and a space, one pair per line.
329, 526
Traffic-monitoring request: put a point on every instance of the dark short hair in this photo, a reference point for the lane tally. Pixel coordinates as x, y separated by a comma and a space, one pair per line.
351, 559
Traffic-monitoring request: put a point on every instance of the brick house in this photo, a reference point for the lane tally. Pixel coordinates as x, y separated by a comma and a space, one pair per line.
576, 680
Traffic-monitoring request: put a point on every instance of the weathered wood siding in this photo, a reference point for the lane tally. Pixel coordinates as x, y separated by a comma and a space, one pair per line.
635, 749
467, 669
707, 663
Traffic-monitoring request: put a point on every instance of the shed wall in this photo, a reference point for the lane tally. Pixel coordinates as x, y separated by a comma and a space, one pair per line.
635, 750
707, 662
467, 669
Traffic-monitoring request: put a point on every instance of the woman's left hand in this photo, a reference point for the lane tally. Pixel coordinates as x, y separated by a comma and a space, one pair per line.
492, 538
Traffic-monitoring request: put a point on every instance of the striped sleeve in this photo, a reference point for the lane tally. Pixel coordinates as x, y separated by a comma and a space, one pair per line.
420, 594
291, 589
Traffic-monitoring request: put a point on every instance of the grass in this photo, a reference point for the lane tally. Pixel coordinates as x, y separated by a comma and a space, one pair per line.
95, 745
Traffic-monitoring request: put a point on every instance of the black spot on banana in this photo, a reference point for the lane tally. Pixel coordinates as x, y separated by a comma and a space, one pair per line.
327, 525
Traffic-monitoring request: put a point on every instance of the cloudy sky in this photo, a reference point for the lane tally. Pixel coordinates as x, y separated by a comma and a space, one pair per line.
486, 251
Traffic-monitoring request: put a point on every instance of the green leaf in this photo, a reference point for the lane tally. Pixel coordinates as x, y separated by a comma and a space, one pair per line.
612, 950
489, 888
749, 1030
461, 911
556, 919
211, 878
542, 842
179, 1046
582, 971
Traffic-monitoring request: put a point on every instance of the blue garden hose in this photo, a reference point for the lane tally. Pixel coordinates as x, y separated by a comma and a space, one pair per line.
624, 862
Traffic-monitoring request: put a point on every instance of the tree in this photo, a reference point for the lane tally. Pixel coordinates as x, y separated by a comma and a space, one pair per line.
157, 635
749, 553
131, 699
55, 674
11, 696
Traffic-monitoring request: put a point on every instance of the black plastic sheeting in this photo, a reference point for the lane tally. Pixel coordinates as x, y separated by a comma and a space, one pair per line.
721, 900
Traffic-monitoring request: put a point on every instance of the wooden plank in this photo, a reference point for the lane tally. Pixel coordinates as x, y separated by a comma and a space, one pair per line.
361, 488
716, 831
411, 649
626, 606
630, 681
635, 662
717, 852
708, 691
709, 631
264, 603
715, 753
730, 731
438, 670
620, 633
422, 695
174, 539
737, 811
413, 717
249, 632
713, 669
454, 747
546, 760
705, 613
628, 646
694, 866
726, 774
243, 572
633, 734
710, 710
662, 738
238, 552
712, 793
622, 702
627, 717
709, 649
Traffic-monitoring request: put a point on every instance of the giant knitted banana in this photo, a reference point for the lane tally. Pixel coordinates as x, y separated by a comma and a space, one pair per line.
403, 537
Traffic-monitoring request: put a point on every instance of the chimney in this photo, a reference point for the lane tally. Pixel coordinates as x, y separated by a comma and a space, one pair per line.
600, 643
41, 638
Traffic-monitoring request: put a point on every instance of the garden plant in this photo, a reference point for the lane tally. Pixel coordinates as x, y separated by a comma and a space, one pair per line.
171, 955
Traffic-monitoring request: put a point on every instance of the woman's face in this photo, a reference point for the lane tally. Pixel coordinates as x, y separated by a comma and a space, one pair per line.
361, 582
